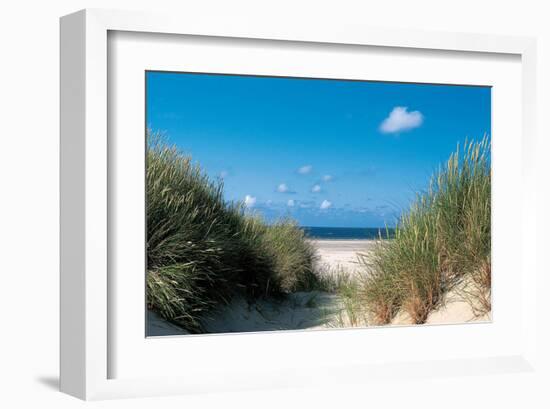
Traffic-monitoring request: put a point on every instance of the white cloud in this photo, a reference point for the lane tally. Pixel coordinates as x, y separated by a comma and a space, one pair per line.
316, 189
282, 188
290, 203
327, 178
304, 170
224, 174
401, 120
249, 201
325, 205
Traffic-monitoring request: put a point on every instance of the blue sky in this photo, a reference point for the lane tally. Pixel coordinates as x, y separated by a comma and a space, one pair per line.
326, 152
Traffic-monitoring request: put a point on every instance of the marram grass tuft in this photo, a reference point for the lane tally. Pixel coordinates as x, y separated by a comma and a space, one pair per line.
443, 238
202, 250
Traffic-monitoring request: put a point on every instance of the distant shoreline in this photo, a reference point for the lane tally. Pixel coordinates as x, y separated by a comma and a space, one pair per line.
343, 239
347, 233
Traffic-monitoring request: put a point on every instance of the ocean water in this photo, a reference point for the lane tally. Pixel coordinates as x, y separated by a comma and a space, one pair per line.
347, 233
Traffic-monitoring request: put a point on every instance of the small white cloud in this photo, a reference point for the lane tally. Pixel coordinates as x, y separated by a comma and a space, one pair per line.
401, 120
282, 188
224, 174
316, 189
290, 203
304, 170
249, 201
325, 205
327, 178
269, 202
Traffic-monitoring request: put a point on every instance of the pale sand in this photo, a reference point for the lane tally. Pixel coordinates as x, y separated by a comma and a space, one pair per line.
301, 310
342, 254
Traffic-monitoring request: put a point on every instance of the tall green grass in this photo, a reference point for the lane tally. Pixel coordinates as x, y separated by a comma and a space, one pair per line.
202, 250
445, 236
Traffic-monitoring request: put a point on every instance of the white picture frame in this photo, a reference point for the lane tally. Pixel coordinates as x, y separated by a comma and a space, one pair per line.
86, 302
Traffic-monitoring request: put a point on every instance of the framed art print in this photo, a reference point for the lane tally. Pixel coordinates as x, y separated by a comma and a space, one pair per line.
238, 202
281, 203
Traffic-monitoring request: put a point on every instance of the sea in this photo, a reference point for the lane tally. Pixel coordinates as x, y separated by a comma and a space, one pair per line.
348, 233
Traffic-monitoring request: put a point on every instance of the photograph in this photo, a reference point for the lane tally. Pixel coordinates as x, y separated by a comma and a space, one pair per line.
286, 203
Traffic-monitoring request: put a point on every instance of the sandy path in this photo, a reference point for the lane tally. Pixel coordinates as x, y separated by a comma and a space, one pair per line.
157, 326
301, 310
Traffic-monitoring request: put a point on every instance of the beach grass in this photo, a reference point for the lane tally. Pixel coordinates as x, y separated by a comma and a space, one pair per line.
443, 238
202, 250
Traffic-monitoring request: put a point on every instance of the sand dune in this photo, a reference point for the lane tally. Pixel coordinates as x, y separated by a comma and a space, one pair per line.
312, 310
301, 310
458, 306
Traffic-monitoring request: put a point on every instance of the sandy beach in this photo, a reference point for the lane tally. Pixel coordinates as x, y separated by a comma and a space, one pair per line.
342, 254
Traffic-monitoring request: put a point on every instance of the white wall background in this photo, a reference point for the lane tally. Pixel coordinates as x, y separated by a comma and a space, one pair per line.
29, 80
